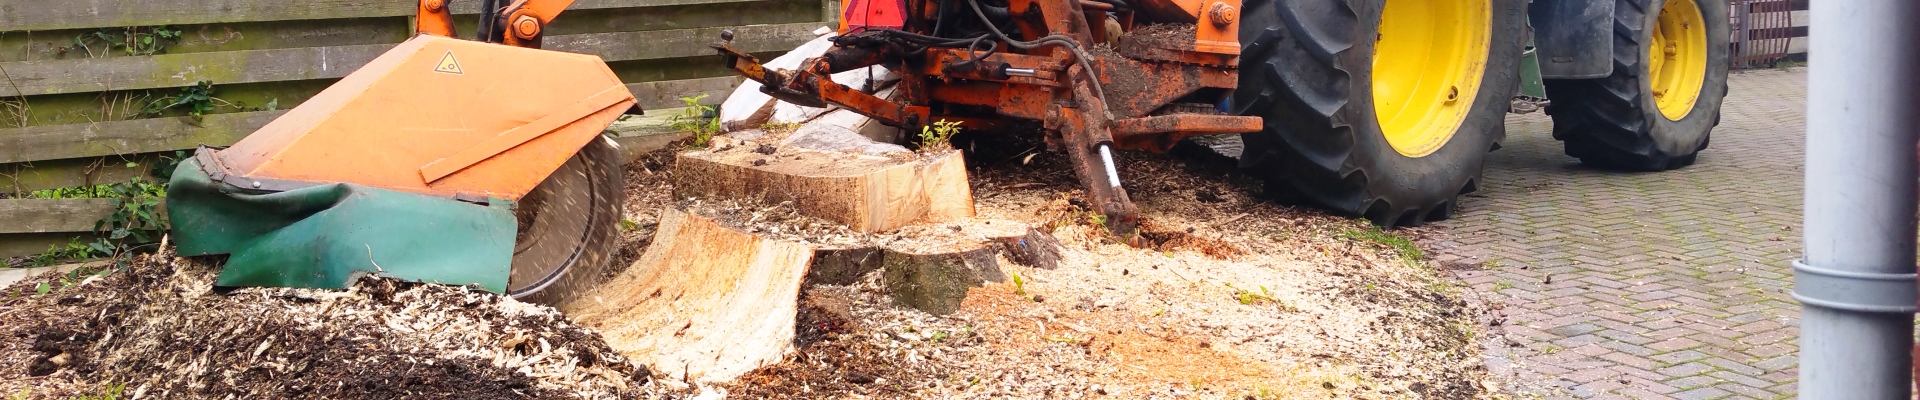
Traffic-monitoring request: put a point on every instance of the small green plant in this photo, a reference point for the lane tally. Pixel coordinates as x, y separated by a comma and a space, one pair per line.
75, 192
700, 119
1095, 218
780, 127
136, 205
135, 221
195, 101
1248, 297
1019, 286
939, 136
132, 41
1401, 246
110, 392
1502, 285
72, 250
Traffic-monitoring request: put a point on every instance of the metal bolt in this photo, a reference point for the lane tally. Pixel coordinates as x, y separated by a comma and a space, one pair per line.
436, 5
526, 27
726, 34
256, 184
1222, 14
1672, 49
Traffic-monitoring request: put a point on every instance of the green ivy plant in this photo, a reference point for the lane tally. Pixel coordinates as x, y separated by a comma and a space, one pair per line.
196, 100
132, 41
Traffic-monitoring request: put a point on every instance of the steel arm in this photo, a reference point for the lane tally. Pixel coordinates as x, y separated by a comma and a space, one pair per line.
522, 26
527, 19
433, 18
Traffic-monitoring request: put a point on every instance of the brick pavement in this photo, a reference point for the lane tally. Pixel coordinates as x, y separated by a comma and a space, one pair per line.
1644, 285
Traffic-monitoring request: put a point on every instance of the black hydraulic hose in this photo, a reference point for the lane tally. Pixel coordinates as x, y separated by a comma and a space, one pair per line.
489, 15
1093, 78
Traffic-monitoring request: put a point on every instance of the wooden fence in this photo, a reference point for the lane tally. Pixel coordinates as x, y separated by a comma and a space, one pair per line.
79, 78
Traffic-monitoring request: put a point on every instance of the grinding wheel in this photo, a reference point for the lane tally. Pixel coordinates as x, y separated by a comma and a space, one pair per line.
567, 227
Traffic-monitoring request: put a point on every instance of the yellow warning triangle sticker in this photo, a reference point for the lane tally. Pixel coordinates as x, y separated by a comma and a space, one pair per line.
448, 64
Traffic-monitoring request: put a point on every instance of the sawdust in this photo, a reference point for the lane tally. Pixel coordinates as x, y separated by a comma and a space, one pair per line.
1239, 298
649, 184
1164, 36
160, 328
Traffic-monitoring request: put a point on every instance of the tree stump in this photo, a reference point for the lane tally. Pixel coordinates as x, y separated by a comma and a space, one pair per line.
865, 193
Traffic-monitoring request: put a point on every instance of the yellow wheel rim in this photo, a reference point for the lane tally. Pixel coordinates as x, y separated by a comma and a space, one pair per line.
1427, 67
1677, 58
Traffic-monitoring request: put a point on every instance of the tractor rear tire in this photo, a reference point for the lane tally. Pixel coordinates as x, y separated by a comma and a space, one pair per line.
1308, 69
1619, 121
568, 227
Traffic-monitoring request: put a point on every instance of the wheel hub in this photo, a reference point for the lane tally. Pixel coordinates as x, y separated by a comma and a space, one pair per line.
1677, 58
1427, 67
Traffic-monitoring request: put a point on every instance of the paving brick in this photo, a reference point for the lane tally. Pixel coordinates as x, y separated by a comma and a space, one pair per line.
1676, 281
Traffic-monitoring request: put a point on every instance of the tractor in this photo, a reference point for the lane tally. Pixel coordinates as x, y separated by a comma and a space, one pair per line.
1384, 109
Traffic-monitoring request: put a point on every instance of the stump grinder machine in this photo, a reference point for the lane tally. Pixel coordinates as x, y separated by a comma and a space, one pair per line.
468, 162
480, 161
1382, 109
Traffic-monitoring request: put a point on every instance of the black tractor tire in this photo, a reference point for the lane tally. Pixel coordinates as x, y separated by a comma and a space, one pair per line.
573, 260
1306, 69
1612, 122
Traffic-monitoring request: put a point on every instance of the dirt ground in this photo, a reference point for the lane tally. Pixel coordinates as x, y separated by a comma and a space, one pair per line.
1236, 298
158, 329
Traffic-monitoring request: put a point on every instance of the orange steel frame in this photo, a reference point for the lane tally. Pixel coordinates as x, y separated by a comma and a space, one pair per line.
943, 83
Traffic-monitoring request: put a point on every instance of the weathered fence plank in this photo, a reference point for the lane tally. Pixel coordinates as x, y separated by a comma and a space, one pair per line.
55, 142
52, 215
29, 15
33, 78
20, 178
666, 94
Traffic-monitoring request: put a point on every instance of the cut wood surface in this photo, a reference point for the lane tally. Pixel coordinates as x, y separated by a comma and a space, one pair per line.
704, 301
865, 193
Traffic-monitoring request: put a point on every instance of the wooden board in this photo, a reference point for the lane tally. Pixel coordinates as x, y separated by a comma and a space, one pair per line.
704, 301
33, 78
52, 215
55, 142
22, 15
866, 193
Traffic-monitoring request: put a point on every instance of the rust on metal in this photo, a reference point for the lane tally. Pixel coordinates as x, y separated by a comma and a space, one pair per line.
1093, 100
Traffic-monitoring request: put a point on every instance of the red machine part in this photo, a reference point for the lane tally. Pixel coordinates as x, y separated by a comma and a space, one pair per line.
1142, 94
859, 15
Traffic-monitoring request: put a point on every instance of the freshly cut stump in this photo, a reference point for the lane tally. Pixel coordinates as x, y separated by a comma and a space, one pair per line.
706, 301
865, 193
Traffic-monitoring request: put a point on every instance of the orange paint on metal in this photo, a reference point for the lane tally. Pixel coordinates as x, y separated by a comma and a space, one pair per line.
1160, 133
434, 19
524, 19
380, 124
433, 171
1217, 22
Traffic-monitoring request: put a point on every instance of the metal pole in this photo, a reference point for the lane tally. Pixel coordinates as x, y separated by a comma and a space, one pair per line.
1856, 285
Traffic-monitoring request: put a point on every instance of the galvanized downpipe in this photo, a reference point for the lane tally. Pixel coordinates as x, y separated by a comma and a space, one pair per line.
1856, 285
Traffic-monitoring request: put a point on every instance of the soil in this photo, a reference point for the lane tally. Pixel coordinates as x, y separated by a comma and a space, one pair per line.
157, 328
1235, 297
1163, 36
